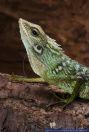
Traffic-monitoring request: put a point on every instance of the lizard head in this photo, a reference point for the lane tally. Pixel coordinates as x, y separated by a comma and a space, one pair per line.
33, 35
40, 48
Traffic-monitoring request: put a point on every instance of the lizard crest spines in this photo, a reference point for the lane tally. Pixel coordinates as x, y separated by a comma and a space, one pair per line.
53, 46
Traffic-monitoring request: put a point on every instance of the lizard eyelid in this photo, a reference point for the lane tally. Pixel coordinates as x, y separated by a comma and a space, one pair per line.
35, 32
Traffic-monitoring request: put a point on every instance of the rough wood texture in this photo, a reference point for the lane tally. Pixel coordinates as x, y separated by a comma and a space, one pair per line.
23, 108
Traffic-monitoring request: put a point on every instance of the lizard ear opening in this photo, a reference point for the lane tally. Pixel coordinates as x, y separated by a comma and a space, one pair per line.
38, 48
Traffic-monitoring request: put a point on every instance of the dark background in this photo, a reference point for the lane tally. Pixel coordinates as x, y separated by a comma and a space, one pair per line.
67, 21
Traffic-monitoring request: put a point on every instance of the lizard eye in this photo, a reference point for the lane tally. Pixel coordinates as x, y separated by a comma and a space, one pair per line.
35, 32
38, 48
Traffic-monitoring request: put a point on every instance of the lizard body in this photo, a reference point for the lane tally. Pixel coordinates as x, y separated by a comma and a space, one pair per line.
48, 60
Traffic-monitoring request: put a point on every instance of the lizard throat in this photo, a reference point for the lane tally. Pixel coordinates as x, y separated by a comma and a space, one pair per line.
36, 65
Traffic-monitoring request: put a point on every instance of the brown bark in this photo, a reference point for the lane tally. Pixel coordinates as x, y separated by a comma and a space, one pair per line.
23, 108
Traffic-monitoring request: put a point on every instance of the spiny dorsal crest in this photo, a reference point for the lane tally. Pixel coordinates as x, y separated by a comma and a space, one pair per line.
52, 44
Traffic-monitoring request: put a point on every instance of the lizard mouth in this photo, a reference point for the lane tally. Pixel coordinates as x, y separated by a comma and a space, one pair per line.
23, 26
25, 32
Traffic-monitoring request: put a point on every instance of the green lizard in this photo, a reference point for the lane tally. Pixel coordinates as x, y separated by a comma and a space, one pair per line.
48, 60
